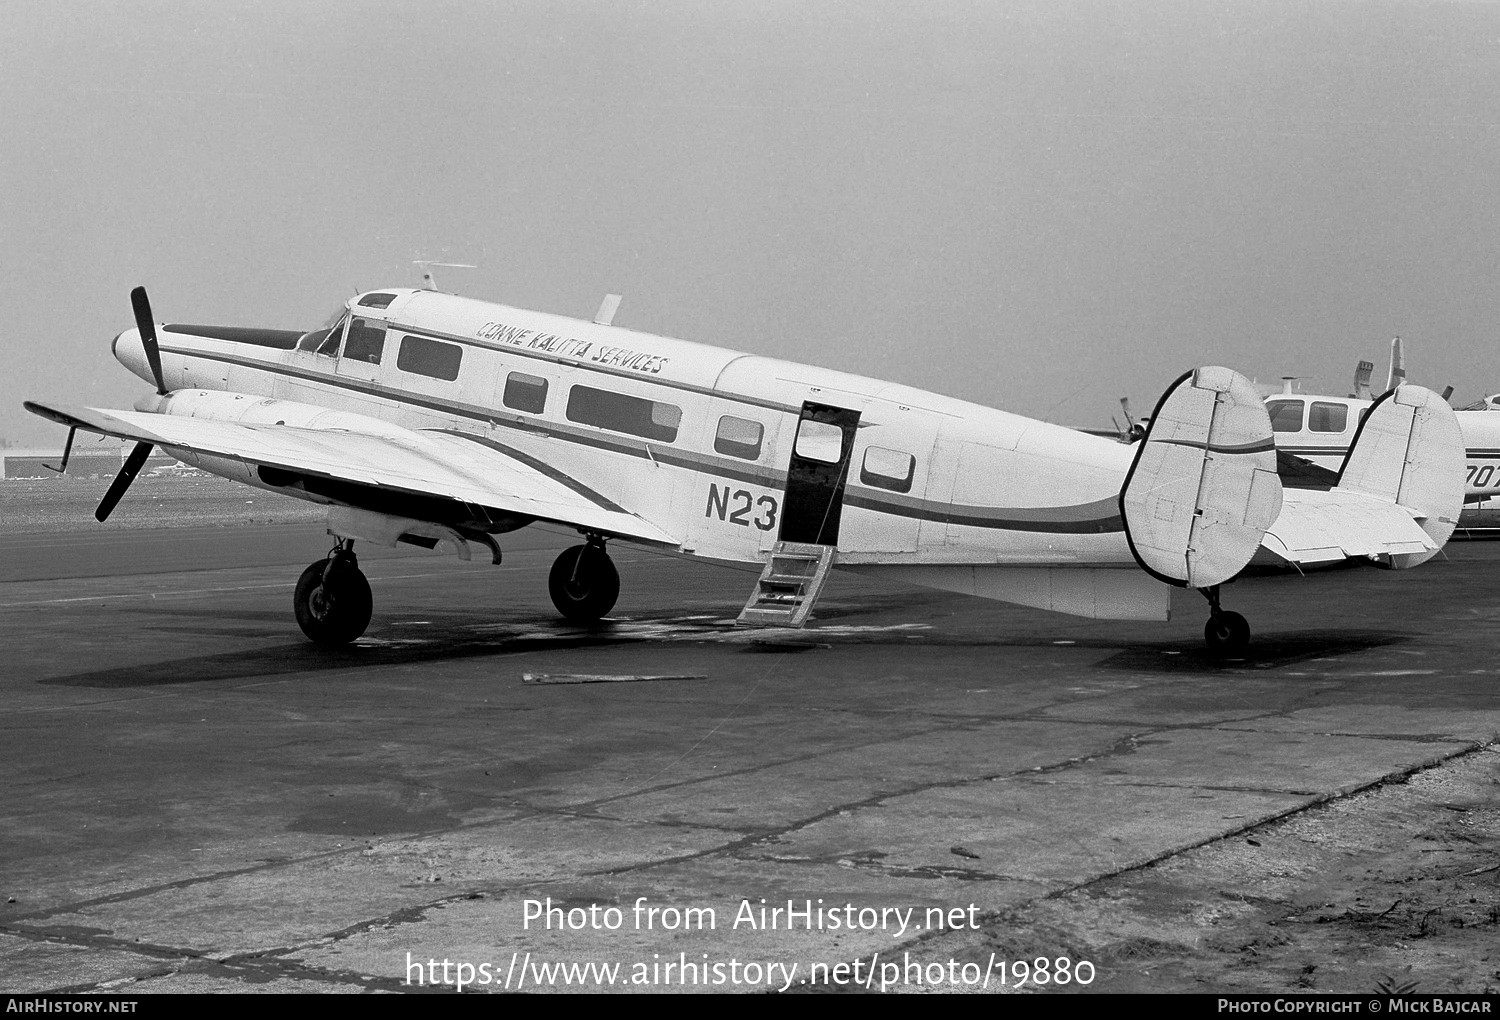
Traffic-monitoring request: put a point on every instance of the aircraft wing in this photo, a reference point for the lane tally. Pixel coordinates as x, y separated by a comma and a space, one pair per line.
469, 467
1317, 527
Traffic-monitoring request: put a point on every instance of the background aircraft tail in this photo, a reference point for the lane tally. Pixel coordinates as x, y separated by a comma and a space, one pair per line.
1203, 487
1409, 450
1398, 366
1362, 372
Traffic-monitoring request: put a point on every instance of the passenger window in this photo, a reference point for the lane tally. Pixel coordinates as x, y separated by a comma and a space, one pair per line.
429, 357
649, 419
738, 437
1327, 417
818, 440
888, 469
525, 392
365, 341
1286, 415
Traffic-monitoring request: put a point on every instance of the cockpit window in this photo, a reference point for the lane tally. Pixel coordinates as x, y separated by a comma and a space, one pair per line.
325, 340
330, 345
365, 341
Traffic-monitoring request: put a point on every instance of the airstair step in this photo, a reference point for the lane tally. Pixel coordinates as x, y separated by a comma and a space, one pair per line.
788, 586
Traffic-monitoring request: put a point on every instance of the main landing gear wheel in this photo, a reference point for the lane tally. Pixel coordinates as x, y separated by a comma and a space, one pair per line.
333, 601
584, 583
1227, 634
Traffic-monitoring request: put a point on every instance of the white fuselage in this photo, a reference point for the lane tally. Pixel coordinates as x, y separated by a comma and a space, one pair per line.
694, 439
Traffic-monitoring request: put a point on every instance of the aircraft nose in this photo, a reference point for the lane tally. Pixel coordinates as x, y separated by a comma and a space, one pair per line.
128, 351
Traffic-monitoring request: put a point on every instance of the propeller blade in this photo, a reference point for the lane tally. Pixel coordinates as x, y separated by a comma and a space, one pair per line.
1125, 406
147, 327
128, 471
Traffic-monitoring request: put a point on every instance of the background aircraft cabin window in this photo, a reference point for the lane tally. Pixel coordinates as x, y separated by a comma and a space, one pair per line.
525, 392
888, 469
429, 357
377, 300
1327, 417
1286, 415
818, 440
365, 341
738, 437
649, 419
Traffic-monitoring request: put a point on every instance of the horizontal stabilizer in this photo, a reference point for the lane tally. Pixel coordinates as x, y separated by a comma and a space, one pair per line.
1203, 487
1318, 528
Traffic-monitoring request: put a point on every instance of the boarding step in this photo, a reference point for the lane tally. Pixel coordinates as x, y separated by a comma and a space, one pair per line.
788, 586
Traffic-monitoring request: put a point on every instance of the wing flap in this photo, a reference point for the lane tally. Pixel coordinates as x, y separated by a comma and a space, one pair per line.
450, 465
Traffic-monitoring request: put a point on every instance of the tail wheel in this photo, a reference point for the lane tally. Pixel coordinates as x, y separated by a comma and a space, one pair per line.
584, 583
1227, 635
333, 602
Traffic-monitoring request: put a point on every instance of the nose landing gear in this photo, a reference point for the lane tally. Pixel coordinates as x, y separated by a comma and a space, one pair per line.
584, 582
1227, 634
332, 600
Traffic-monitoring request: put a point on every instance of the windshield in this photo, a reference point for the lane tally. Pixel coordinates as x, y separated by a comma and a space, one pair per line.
325, 340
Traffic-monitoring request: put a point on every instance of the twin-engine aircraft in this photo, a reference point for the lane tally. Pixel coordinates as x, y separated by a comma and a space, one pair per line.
428, 418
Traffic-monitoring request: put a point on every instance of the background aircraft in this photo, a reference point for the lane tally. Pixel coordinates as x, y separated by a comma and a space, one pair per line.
428, 418
1319, 429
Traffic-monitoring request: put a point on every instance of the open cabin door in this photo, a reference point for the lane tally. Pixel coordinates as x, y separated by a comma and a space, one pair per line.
815, 479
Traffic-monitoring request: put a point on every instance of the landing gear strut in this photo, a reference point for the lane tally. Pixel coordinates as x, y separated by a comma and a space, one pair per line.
584, 583
332, 600
1227, 634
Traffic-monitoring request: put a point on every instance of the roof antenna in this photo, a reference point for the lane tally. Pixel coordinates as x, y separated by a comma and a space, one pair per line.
428, 281
605, 316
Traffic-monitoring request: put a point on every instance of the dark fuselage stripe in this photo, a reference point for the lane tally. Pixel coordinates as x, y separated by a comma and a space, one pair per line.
1254, 446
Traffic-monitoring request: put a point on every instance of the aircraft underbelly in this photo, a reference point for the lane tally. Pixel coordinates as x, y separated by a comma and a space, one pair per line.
1125, 593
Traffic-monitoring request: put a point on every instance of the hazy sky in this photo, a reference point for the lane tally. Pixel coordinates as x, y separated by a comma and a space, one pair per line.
1038, 206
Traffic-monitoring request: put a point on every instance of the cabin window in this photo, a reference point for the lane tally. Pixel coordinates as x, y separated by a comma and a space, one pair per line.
818, 440
649, 419
738, 437
525, 393
429, 357
1286, 415
888, 469
1325, 416
377, 300
365, 341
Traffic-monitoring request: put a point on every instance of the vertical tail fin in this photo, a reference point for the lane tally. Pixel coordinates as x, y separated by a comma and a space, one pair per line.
1409, 450
1203, 488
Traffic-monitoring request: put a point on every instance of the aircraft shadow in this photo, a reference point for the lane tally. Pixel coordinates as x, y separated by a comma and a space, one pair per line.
1268, 651
436, 645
